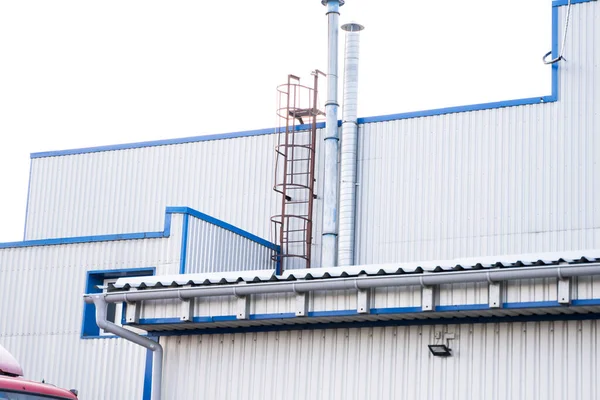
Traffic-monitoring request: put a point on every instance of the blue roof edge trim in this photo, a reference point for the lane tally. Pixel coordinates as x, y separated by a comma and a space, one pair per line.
165, 142
553, 304
384, 323
560, 3
364, 120
165, 233
459, 109
224, 225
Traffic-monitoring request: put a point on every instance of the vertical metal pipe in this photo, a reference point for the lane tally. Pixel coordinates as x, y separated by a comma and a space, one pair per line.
349, 147
331, 142
103, 323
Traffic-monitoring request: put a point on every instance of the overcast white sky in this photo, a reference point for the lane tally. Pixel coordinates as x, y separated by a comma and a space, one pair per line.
81, 73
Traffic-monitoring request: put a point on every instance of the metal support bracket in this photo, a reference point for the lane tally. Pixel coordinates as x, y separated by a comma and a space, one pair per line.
301, 304
427, 298
495, 294
363, 301
564, 290
243, 305
132, 311
187, 308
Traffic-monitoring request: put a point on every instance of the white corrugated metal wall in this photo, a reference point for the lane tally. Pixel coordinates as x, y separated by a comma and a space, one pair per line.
510, 180
108, 192
530, 360
211, 248
498, 181
41, 308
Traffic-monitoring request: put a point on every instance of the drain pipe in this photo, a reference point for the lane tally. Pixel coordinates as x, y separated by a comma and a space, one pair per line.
363, 282
330, 182
101, 303
349, 147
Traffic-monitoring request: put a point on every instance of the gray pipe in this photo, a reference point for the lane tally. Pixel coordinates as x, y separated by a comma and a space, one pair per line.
367, 282
100, 302
349, 147
331, 140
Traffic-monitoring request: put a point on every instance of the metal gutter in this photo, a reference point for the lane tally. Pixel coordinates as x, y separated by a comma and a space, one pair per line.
100, 302
359, 283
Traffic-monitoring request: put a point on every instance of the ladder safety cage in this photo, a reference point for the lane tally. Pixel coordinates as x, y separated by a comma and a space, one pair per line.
295, 171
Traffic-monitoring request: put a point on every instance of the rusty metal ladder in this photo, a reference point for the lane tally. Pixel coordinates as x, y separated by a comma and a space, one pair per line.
295, 171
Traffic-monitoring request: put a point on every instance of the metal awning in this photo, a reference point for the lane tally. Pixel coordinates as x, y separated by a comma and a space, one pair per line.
421, 267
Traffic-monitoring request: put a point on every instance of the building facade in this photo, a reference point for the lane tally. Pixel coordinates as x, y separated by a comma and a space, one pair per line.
481, 188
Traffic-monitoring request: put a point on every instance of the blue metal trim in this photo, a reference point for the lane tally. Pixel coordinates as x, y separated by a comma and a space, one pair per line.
462, 307
164, 142
396, 310
27, 203
333, 313
184, 242
381, 118
197, 320
560, 3
272, 316
555, 53
224, 225
163, 321
586, 302
95, 278
383, 311
367, 324
457, 109
146, 235
532, 304
147, 391
96, 238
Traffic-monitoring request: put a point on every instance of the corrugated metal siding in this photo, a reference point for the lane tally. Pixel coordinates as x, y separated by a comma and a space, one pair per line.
510, 180
534, 360
41, 287
41, 308
127, 190
213, 249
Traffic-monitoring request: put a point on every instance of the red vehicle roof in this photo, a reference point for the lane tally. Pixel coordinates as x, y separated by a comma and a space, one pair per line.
30, 387
8, 364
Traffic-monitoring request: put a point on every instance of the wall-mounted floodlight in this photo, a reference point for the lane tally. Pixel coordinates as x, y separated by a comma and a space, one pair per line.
440, 350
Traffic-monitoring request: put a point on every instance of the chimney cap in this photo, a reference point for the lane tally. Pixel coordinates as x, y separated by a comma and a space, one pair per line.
352, 27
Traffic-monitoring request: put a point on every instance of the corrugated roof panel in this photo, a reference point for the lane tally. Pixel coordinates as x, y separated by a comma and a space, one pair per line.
582, 256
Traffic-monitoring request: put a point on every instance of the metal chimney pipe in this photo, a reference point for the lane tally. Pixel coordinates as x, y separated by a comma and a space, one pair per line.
349, 146
331, 144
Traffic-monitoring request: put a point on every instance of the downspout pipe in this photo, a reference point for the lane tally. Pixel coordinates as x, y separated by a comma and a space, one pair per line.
100, 302
349, 148
363, 282
331, 140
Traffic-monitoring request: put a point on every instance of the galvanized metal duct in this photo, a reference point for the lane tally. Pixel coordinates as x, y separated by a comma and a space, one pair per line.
349, 147
360, 283
100, 302
331, 141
